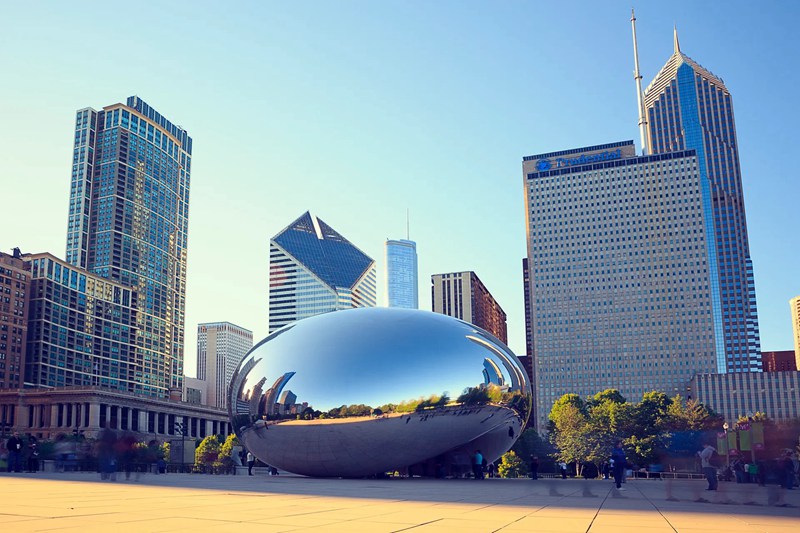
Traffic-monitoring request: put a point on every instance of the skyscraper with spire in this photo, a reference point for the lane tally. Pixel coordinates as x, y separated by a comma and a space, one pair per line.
689, 108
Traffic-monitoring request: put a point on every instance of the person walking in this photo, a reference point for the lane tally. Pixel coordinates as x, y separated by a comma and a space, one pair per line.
706, 463
477, 464
620, 463
33, 454
251, 461
14, 447
563, 467
534, 467
787, 470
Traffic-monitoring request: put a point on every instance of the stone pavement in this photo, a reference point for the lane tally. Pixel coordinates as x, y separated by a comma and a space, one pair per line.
187, 502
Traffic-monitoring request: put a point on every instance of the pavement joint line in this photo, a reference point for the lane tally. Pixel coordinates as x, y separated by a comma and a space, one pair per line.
418, 525
656, 508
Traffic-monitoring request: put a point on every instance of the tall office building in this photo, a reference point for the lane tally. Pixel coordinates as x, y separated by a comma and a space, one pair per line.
618, 272
220, 348
689, 108
314, 270
794, 305
15, 274
128, 223
402, 286
81, 328
462, 295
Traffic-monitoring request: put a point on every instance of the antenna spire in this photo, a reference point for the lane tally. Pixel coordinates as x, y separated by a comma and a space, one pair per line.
676, 44
644, 130
408, 233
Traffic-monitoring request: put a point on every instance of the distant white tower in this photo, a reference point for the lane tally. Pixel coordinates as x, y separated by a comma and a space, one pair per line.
221, 346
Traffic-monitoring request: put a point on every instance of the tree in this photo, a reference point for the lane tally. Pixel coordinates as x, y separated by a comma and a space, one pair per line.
511, 465
207, 453
571, 430
224, 460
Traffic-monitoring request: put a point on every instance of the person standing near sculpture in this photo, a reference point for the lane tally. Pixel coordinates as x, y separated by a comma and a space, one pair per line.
14, 447
534, 467
477, 464
620, 462
251, 460
706, 460
33, 454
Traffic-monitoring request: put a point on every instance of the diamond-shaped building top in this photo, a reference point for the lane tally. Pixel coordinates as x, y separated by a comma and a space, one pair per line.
313, 270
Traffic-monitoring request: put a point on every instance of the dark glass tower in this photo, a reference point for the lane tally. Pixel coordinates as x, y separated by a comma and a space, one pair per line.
128, 222
689, 108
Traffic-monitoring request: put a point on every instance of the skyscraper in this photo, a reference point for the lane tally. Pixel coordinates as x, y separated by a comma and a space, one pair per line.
15, 279
313, 270
464, 296
794, 305
402, 287
618, 272
220, 348
689, 108
128, 223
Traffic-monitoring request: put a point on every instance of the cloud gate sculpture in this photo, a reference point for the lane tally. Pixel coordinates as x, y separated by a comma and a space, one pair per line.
366, 391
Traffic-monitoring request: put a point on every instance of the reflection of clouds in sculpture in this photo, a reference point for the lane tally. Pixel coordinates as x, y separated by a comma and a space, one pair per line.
362, 391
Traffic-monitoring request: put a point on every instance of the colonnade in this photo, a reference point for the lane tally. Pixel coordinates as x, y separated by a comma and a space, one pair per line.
47, 416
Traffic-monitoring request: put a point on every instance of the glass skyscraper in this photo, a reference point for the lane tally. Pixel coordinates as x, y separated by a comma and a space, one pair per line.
402, 283
128, 223
314, 270
689, 108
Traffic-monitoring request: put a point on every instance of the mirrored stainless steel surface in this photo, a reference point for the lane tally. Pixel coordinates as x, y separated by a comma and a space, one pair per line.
365, 391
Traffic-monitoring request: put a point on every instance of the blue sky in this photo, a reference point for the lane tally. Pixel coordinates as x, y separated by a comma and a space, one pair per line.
360, 110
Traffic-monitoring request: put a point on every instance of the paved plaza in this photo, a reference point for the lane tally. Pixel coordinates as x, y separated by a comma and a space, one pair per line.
186, 502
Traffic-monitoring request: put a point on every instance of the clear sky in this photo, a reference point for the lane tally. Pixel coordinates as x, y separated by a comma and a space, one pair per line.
359, 110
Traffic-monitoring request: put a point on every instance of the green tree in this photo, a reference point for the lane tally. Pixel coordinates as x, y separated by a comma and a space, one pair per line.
511, 465
572, 430
224, 462
207, 453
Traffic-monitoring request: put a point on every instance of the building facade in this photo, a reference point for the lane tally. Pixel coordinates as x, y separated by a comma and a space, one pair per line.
221, 346
128, 223
47, 413
14, 302
462, 295
81, 328
776, 394
620, 295
402, 281
689, 108
314, 270
780, 361
794, 305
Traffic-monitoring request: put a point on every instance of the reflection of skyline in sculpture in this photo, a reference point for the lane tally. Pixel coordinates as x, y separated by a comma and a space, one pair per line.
368, 378
273, 393
492, 374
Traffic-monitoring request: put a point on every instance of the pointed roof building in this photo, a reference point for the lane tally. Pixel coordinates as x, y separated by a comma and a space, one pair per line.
690, 108
314, 270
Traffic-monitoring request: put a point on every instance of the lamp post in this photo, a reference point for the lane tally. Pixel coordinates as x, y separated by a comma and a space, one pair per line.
180, 428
